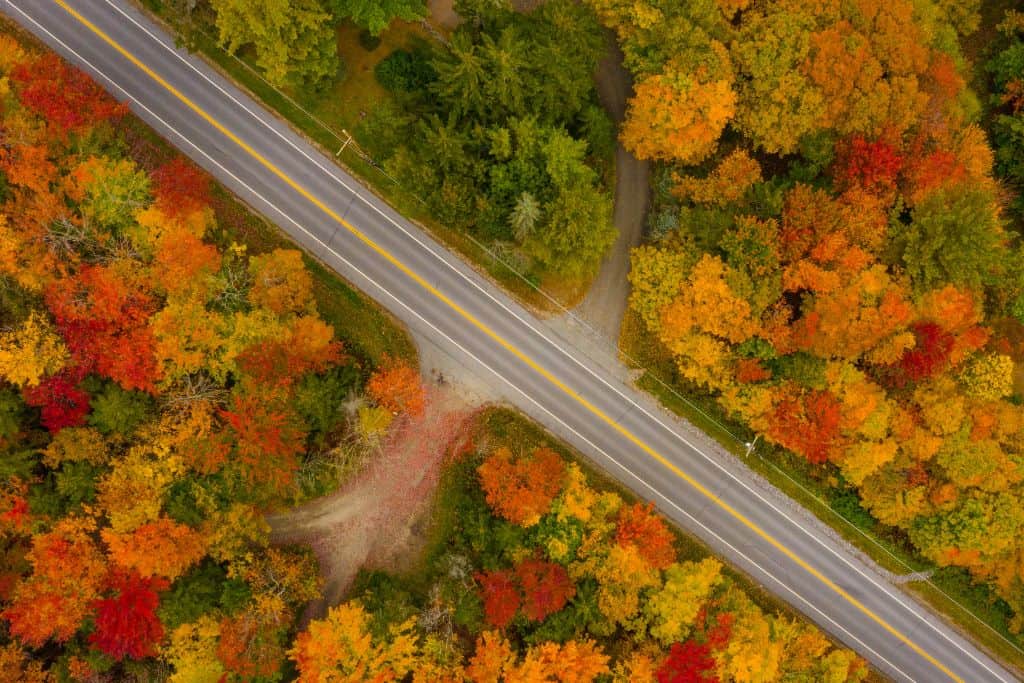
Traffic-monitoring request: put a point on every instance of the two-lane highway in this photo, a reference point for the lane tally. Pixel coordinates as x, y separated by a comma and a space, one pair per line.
334, 217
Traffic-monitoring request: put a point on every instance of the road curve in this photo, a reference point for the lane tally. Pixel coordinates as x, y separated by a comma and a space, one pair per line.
334, 217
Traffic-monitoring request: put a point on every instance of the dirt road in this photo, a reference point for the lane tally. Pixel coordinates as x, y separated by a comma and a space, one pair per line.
605, 303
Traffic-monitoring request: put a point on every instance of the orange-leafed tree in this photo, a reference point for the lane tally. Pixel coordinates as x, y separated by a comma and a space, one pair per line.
396, 386
17, 665
68, 573
268, 436
281, 283
678, 116
806, 422
341, 648
574, 661
160, 548
250, 644
521, 489
641, 526
492, 656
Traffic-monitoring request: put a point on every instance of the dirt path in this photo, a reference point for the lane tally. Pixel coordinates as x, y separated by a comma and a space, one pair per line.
442, 14
377, 519
605, 303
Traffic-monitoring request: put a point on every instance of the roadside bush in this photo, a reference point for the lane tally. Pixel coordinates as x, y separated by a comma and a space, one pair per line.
405, 71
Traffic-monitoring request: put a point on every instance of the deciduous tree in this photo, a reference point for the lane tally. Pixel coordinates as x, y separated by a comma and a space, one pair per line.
341, 648
501, 597
126, 622
161, 548
31, 351
68, 572
639, 525
396, 386
546, 588
521, 489
65, 96
294, 41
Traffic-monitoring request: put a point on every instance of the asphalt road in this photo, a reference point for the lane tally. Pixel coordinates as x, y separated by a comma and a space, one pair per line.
330, 214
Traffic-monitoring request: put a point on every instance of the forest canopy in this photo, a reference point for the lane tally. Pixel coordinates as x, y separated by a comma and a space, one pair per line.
161, 388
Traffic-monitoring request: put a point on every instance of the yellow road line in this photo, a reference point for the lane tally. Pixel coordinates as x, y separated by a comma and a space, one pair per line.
506, 345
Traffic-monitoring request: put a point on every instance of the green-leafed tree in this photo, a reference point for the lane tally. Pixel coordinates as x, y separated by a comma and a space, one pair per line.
375, 15
293, 40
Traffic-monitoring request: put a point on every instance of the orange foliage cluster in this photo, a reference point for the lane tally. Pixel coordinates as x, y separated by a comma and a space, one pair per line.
396, 386
640, 526
521, 489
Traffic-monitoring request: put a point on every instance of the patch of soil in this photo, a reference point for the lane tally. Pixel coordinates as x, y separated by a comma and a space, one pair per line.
376, 520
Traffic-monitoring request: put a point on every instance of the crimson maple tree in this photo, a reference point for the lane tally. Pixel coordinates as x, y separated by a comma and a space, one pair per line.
62, 402
126, 623
688, 662
500, 595
546, 588
65, 96
929, 355
180, 187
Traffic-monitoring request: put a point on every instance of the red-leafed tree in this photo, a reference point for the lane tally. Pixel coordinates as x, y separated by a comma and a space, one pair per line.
688, 662
66, 97
928, 356
932, 171
546, 588
180, 187
268, 438
806, 423
62, 403
126, 622
717, 635
642, 527
873, 166
500, 595
104, 321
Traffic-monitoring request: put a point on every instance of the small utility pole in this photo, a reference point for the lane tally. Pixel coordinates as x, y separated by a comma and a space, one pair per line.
348, 139
750, 445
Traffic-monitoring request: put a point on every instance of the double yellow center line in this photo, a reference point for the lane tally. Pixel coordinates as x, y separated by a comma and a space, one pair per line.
505, 344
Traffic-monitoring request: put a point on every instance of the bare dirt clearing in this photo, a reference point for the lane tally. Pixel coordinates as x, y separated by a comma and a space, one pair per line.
378, 518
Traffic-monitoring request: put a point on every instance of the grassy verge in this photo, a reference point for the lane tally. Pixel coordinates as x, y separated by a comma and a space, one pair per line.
950, 590
325, 117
